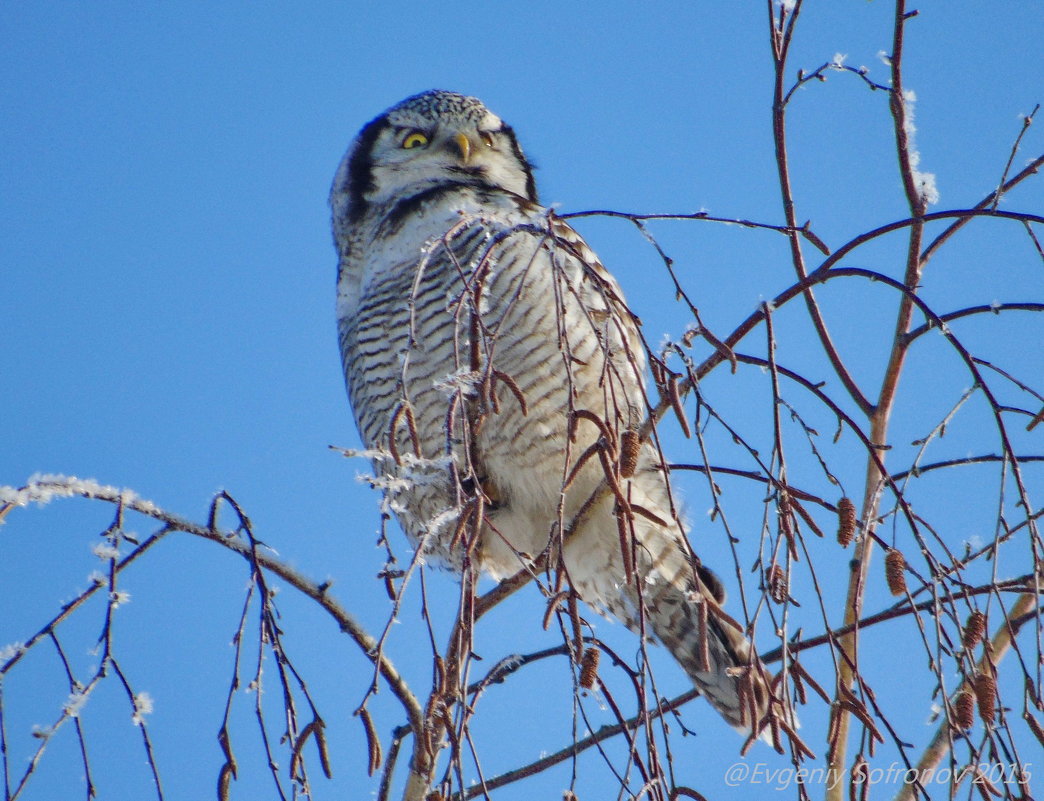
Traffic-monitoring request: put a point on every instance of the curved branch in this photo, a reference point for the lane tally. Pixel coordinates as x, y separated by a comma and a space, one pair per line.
1018, 585
823, 273
990, 201
992, 308
49, 487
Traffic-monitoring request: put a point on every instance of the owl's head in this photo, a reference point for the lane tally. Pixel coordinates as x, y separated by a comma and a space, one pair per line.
432, 139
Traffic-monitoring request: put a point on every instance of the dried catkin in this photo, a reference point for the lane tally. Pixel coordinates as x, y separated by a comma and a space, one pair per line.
859, 789
974, 629
324, 751
676, 403
589, 668
224, 780
895, 565
373, 742
777, 584
964, 709
985, 687
846, 521
786, 525
630, 445
1035, 727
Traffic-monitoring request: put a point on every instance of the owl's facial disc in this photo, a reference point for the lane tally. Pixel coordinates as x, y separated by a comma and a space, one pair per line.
414, 154
430, 140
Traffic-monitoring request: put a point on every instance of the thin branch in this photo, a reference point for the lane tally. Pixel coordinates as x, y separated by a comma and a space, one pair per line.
569, 751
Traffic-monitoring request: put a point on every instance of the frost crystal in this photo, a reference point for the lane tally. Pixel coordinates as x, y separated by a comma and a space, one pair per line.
372, 454
439, 522
839, 61
119, 597
9, 652
933, 714
926, 188
105, 550
142, 707
462, 380
42, 488
74, 703
387, 483
924, 181
508, 663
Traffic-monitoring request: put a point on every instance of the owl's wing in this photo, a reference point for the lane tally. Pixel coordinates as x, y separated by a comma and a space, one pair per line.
572, 480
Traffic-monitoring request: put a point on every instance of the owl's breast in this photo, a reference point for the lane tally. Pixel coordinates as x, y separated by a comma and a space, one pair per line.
470, 342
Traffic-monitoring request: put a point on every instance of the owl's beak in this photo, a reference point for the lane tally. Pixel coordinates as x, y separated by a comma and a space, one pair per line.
462, 145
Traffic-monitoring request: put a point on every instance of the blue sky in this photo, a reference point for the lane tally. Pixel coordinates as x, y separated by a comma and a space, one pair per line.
168, 280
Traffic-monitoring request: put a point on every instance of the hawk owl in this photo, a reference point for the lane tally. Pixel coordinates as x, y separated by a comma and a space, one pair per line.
498, 381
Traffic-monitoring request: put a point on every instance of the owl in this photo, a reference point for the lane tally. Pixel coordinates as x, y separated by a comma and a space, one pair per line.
497, 378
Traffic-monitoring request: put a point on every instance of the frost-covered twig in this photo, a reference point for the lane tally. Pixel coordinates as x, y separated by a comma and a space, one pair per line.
43, 489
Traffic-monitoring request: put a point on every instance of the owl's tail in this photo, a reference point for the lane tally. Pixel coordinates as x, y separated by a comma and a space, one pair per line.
657, 586
715, 653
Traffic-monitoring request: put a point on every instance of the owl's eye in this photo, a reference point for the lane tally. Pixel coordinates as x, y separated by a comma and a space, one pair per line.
487, 138
414, 139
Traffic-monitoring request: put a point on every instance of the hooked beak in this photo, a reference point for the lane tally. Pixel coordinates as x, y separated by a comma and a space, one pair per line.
460, 143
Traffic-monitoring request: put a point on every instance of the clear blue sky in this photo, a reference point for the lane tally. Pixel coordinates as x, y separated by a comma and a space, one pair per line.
167, 273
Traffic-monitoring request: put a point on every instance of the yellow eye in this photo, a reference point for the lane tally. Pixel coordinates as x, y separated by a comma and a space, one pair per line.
414, 139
